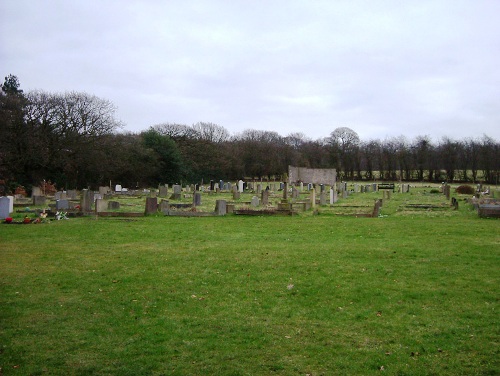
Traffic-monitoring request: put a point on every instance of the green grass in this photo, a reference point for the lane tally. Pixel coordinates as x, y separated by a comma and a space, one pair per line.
415, 293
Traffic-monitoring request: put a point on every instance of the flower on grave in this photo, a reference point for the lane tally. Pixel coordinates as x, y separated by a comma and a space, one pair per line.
26, 220
8, 220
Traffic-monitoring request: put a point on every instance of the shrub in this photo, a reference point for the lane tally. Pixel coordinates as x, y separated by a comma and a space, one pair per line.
435, 191
465, 190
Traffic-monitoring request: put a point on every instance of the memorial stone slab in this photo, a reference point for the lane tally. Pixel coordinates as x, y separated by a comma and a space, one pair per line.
255, 201
220, 207
62, 205
151, 205
4, 207
197, 199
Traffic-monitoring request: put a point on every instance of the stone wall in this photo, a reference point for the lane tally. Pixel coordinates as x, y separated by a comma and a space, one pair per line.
312, 175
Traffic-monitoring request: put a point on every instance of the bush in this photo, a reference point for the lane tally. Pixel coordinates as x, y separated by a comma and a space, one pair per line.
435, 191
465, 190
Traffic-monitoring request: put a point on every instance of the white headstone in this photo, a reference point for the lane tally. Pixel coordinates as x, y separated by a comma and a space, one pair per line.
240, 186
4, 207
118, 188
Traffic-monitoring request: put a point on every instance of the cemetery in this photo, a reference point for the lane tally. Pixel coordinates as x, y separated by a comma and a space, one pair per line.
249, 277
251, 198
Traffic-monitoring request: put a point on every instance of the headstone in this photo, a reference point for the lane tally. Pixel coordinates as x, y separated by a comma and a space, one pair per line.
335, 196
113, 205
313, 198
240, 186
236, 195
221, 184
220, 207
103, 190
301, 186
101, 205
164, 206
229, 186
265, 197
57, 195
71, 194
255, 201
163, 191
38, 200
177, 192
36, 191
309, 186
295, 192
62, 204
151, 205
197, 199
212, 185
344, 194
4, 207
374, 187
86, 200
97, 196
322, 187
331, 197
285, 191
322, 198
118, 188
216, 187
376, 208
259, 189
356, 188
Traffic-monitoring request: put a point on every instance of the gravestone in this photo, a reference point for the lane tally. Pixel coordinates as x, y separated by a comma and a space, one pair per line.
103, 190
101, 205
331, 197
236, 194
163, 191
212, 185
177, 192
376, 208
259, 189
356, 188
301, 186
374, 187
221, 184
57, 195
229, 186
151, 205
113, 205
344, 194
265, 197
313, 198
295, 192
62, 205
322, 198
309, 186
220, 207
164, 206
4, 207
38, 200
255, 201
240, 186
71, 194
197, 199
36, 191
86, 200
216, 187
118, 188
285, 191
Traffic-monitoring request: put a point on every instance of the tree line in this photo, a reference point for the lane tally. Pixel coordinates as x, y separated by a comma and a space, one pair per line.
73, 139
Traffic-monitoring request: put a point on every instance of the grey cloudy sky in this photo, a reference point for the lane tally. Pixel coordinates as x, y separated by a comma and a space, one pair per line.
382, 68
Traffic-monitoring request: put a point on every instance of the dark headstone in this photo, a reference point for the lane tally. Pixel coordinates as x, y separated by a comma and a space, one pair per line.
151, 205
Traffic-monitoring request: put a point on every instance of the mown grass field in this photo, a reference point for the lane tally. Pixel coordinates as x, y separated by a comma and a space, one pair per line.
414, 292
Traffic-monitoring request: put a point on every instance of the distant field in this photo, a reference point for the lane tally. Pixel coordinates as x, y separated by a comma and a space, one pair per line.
413, 292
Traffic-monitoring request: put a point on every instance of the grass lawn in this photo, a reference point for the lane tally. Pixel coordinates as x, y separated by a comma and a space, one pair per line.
410, 293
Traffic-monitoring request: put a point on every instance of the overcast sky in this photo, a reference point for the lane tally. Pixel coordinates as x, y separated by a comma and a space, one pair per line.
381, 68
